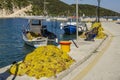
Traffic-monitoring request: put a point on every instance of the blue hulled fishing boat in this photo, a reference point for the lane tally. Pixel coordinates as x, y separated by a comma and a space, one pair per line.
70, 29
70, 26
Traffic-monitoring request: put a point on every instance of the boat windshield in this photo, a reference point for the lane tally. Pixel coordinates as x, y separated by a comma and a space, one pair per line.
36, 22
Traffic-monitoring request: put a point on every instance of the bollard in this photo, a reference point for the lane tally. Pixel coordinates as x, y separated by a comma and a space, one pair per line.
65, 46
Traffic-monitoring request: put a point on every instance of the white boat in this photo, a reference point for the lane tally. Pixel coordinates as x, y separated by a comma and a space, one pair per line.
36, 34
36, 42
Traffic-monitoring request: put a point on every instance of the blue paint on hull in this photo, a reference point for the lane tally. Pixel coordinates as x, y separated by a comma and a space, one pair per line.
70, 29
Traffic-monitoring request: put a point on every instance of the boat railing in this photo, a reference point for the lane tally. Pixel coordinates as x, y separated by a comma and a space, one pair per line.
26, 28
83, 27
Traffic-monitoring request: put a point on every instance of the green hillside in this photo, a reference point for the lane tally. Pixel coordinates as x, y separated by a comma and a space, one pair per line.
58, 8
54, 8
10, 4
90, 10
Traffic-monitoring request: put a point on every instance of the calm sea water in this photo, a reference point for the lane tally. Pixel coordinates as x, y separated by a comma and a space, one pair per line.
12, 46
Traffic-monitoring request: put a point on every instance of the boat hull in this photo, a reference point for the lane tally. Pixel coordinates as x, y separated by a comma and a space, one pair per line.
70, 29
37, 42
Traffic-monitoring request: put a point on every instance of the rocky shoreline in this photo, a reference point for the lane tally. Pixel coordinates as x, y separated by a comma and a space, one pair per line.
16, 12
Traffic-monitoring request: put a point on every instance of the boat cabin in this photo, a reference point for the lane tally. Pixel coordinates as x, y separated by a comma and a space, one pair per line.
36, 26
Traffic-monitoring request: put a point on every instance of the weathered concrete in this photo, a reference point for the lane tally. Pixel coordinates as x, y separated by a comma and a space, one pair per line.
104, 65
108, 68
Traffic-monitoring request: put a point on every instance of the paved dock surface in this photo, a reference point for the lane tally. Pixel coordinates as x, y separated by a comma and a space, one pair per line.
108, 67
105, 64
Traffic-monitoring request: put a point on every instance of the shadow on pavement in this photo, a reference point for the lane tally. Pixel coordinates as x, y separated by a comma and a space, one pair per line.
4, 75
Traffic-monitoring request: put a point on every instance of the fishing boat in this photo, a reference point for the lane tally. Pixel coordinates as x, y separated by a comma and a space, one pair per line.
70, 26
70, 29
36, 34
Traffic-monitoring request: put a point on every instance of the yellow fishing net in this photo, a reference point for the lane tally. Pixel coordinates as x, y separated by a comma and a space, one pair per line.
100, 34
100, 31
45, 61
32, 35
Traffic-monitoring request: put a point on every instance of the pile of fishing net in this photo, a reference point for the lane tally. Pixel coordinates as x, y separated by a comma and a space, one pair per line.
45, 61
32, 35
100, 31
100, 34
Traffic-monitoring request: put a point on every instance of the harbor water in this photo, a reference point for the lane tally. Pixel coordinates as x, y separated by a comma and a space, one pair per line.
12, 46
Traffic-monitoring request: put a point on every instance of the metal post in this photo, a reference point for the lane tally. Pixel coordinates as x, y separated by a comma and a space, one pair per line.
77, 20
44, 7
98, 11
45, 10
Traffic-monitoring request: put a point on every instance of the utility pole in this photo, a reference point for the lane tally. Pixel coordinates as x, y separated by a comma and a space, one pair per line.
98, 11
44, 10
77, 20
